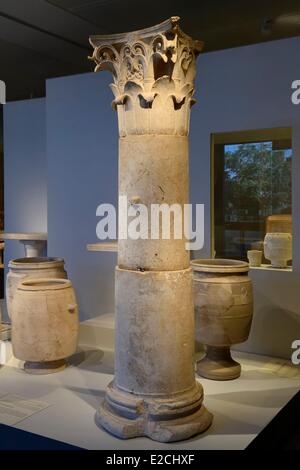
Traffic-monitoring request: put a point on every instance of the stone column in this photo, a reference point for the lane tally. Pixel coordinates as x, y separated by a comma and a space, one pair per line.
154, 392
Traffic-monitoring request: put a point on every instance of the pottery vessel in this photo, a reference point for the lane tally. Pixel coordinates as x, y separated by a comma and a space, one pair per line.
44, 324
21, 268
223, 309
254, 257
279, 223
278, 249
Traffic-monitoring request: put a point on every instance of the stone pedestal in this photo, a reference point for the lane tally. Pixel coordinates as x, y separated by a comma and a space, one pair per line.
154, 392
35, 243
218, 364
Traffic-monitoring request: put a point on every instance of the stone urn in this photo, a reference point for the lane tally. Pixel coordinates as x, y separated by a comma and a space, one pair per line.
21, 268
254, 258
278, 249
44, 324
223, 309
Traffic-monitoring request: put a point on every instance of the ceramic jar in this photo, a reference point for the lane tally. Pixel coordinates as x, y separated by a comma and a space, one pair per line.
45, 324
223, 313
254, 257
278, 249
280, 223
21, 268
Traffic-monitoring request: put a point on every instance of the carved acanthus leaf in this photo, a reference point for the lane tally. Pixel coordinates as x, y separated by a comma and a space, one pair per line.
153, 64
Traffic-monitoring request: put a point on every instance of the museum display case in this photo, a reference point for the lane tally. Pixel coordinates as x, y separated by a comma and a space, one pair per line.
252, 181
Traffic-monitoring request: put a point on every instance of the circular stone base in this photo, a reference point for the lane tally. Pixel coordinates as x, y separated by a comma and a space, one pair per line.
165, 419
218, 365
39, 368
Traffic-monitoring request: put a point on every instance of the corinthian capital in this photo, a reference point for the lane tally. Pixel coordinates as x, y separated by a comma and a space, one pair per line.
154, 71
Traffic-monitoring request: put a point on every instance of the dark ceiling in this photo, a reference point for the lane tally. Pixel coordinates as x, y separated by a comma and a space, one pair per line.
40, 39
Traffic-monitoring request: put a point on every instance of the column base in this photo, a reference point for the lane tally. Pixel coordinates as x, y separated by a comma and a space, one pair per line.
39, 368
162, 419
218, 365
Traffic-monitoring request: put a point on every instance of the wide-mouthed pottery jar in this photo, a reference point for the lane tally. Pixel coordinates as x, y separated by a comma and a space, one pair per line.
44, 324
223, 313
21, 268
278, 249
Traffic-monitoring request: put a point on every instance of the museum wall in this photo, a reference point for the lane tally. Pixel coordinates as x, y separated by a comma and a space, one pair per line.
25, 171
240, 89
237, 89
82, 151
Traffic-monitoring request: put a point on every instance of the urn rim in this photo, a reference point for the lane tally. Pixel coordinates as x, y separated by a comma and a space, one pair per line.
42, 262
215, 265
45, 283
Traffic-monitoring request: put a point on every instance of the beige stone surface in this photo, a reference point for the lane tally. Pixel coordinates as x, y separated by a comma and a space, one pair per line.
254, 258
154, 392
154, 170
162, 418
29, 236
154, 71
223, 308
154, 342
44, 323
35, 268
103, 246
35, 243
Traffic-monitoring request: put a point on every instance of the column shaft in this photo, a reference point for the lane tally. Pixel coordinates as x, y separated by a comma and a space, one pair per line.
154, 392
153, 169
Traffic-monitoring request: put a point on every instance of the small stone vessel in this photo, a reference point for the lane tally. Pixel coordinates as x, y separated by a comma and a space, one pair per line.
223, 308
21, 268
278, 249
44, 324
254, 258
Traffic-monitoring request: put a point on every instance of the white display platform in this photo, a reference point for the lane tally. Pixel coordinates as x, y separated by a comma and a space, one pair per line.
35, 243
103, 246
98, 331
241, 408
268, 267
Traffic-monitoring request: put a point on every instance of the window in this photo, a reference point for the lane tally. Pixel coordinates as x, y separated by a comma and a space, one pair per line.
252, 194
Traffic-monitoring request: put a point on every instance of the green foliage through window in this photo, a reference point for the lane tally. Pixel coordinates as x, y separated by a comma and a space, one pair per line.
251, 182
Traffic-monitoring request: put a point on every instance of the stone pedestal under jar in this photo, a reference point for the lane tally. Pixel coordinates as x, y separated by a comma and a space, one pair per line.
154, 392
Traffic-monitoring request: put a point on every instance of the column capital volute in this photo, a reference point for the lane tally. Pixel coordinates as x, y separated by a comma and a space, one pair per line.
154, 72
